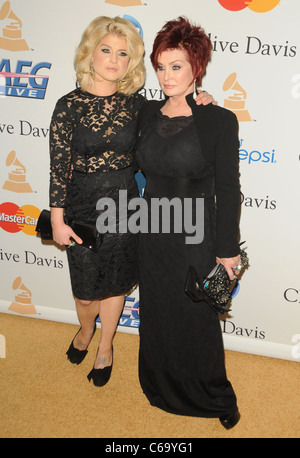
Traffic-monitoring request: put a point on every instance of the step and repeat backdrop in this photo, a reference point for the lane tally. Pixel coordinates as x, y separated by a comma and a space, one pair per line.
254, 71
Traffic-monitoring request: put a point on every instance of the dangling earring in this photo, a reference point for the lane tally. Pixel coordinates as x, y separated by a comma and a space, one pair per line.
195, 94
92, 71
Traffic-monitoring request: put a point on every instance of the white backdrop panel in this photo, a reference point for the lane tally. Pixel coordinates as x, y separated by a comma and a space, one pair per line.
256, 55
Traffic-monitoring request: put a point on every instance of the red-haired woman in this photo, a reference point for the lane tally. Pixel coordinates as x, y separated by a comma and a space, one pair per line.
186, 151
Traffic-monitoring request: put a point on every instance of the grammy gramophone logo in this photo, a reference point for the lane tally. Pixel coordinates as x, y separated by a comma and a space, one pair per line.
124, 2
22, 303
16, 181
236, 99
11, 37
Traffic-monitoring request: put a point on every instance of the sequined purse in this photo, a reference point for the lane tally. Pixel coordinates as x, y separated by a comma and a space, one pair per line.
216, 289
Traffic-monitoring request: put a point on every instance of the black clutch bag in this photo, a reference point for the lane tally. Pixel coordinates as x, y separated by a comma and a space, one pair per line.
43, 225
215, 289
88, 233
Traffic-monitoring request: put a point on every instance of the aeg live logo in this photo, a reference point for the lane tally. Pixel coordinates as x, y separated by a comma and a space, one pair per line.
259, 6
25, 78
20, 83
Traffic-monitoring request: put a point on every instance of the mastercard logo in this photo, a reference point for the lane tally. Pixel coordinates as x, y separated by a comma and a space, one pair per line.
16, 219
259, 6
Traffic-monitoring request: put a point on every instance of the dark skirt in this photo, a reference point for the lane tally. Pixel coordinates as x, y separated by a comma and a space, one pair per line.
110, 270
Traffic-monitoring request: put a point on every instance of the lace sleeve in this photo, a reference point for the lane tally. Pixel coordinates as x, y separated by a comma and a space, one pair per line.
61, 135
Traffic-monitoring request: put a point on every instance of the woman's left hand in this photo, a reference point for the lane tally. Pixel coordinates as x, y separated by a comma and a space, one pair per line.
232, 265
204, 98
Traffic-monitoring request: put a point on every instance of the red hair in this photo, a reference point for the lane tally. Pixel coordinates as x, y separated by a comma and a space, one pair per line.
181, 34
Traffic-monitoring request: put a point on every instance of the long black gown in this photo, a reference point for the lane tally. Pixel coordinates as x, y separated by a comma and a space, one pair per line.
181, 359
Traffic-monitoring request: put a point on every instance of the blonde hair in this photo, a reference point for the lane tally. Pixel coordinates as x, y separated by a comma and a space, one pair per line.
134, 78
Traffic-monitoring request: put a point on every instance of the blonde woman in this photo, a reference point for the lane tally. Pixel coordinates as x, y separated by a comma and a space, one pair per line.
93, 132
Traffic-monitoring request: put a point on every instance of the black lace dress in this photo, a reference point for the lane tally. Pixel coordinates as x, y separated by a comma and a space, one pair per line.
91, 144
181, 360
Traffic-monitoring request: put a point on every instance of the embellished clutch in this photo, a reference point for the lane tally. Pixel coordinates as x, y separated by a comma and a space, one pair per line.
216, 289
88, 233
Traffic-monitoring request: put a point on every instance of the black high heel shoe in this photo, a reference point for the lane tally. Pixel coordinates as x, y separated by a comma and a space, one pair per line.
229, 421
100, 377
74, 355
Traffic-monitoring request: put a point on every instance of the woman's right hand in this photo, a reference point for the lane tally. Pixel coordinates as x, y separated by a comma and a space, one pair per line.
64, 234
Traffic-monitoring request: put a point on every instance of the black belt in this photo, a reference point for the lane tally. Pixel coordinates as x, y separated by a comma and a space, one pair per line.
162, 186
